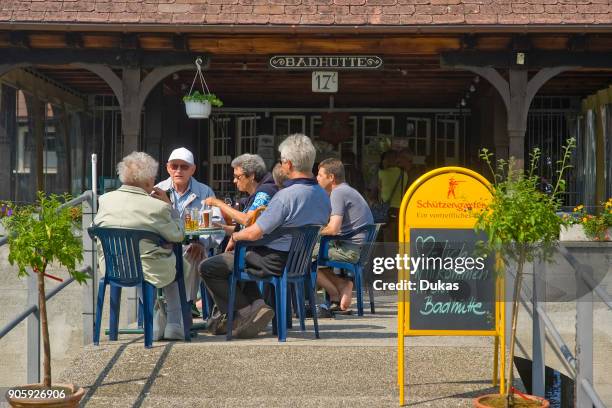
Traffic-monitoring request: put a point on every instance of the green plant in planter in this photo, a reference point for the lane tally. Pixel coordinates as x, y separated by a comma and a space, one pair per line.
595, 225
39, 235
521, 222
203, 97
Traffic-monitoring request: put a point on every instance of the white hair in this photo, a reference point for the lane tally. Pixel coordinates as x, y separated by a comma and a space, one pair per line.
299, 150
137, 168
251, 164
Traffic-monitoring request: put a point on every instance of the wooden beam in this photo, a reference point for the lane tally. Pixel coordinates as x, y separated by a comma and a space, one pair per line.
521, 43
469, 42
113, 58
533, 59
180, 42
43, 90
107, 74
19, 39
74, 40
578, 43
129, 41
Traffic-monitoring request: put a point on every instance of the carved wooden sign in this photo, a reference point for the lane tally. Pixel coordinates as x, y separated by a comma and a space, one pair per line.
306, 62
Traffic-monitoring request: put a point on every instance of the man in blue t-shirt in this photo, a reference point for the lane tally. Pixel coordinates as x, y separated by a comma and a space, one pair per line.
349, 211
301, 202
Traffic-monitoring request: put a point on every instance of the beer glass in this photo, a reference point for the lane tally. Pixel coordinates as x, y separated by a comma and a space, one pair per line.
195, 218
206, 216
187, 220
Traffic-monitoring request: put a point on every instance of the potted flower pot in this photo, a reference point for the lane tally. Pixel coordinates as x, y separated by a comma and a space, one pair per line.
573, 232
197, 109
522, 401
47, 223
36, 395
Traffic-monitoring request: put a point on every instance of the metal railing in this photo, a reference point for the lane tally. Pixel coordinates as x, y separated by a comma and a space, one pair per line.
581, 365
87, 200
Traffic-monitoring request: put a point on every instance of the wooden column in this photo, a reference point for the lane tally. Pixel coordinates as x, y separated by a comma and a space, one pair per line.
131, 93
517, 115
130, 110
37, 111
154, 124
517, 94
8, 124
66, 128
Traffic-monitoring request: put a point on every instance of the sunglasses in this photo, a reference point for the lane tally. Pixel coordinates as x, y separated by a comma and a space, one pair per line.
175, 166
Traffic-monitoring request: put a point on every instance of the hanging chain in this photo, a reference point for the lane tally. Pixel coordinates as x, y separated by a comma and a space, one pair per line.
198, 74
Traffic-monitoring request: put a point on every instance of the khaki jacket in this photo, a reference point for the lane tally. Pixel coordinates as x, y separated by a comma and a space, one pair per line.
131, 207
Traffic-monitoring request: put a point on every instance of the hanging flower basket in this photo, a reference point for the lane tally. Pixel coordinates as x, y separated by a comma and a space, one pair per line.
197, 109
198, 105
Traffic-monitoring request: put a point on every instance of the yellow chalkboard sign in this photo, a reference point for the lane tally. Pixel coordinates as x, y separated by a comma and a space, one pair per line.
436, 221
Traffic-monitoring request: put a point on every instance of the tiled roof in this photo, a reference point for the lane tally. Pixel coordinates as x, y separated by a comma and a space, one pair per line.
317, 12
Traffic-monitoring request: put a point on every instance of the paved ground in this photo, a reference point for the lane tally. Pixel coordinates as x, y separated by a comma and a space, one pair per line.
353, 365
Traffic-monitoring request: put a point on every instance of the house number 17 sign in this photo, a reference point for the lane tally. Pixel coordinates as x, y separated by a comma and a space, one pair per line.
325, 81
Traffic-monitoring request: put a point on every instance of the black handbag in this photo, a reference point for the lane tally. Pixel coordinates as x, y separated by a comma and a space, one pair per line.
380, 210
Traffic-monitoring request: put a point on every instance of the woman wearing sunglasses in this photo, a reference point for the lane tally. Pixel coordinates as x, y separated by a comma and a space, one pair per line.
252, 177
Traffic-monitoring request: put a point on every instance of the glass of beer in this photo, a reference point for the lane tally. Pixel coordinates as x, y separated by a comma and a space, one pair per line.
187, 220
195, 219
206, 216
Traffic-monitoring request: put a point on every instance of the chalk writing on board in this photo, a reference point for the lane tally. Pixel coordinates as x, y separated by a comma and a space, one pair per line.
451, 299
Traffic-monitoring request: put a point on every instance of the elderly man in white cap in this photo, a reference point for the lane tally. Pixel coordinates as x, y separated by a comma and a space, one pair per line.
185, 193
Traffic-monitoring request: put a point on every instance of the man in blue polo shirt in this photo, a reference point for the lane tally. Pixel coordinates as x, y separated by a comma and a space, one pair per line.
301, 202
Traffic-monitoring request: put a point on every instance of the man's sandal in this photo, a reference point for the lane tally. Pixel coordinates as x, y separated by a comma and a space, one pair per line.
335, 309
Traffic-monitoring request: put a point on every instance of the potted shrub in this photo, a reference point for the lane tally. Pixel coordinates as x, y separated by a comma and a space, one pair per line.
39, 235
198, 105
582, 226
5, 211
521, 225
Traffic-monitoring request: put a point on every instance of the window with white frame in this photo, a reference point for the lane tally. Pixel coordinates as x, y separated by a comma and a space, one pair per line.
377, 126
26, 150
285, 125
374, 128
247, 134
346, 146
419, 137
221, 174
447, 141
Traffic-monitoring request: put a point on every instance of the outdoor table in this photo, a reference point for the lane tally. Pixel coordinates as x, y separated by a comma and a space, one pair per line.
212, 232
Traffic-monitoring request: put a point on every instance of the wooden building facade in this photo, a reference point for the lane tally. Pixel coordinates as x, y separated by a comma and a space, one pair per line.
441, 78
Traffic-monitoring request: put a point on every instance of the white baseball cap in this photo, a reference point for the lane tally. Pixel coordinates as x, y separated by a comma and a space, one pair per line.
181, 154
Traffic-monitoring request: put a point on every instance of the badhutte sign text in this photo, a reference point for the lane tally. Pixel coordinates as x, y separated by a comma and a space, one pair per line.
305, 62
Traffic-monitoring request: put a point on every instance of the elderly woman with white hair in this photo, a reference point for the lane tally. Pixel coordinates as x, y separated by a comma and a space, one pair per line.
137, 204
251, 176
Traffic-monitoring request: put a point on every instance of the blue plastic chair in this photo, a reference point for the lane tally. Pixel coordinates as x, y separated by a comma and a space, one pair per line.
124, 270
296, 272
357, 268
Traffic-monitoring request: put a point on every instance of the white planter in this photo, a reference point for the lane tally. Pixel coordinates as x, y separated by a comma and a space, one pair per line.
197, 110
573, 233
576, 233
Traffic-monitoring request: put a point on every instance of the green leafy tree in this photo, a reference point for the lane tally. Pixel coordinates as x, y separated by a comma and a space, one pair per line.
521, 222
39, 235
